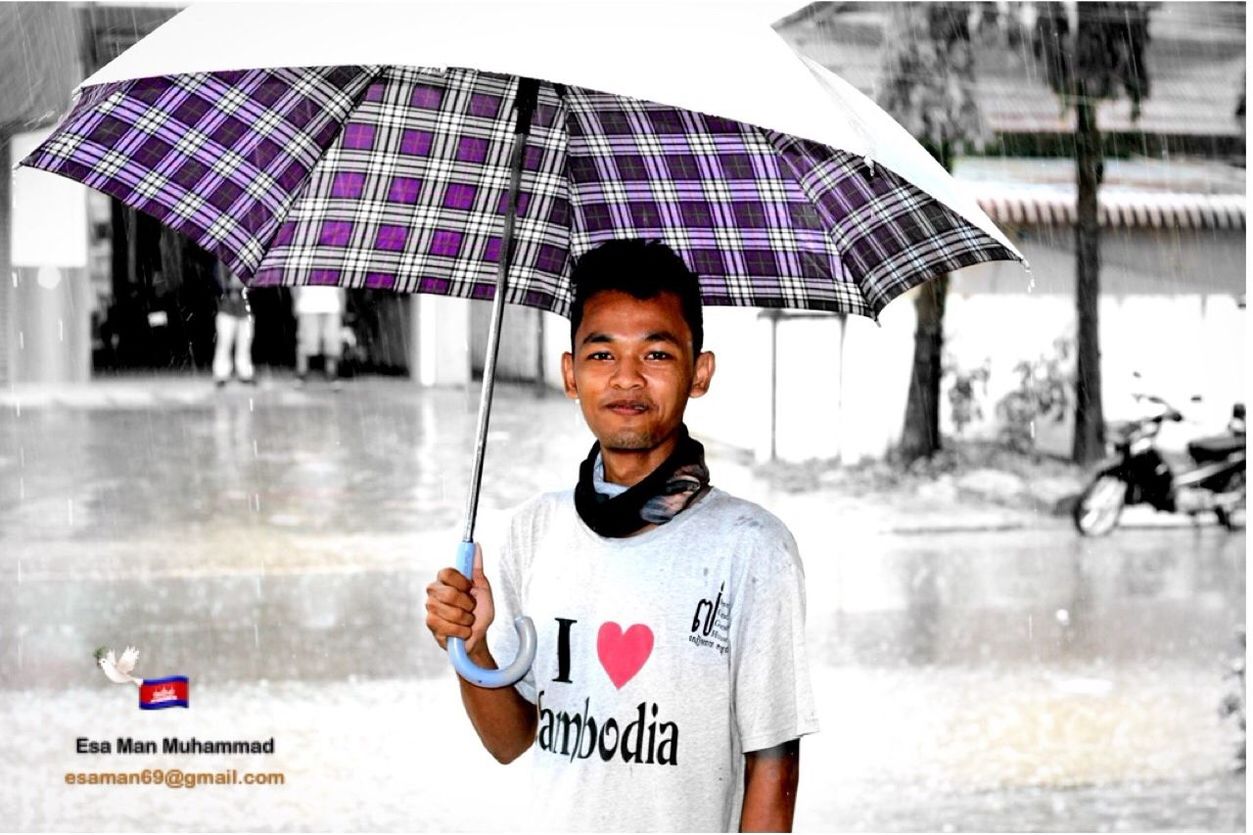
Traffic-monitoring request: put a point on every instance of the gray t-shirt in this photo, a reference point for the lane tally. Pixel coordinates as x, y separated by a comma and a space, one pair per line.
661, 659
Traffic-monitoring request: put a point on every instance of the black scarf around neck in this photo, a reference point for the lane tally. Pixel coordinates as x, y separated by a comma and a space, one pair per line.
655, 500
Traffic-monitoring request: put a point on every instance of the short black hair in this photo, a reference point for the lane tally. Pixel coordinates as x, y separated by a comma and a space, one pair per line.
643, 269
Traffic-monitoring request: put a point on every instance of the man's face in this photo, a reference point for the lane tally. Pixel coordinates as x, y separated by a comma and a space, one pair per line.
632, 369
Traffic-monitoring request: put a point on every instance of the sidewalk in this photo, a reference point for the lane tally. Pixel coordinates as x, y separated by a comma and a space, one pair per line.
970, 488
965, 496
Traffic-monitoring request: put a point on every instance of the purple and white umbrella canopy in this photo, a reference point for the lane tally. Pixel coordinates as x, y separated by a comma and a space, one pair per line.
396, 177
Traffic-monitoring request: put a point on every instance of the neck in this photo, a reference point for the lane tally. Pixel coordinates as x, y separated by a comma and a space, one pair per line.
631, 466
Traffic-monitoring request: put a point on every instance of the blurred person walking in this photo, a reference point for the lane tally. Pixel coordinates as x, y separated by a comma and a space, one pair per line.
319, 322
234, 329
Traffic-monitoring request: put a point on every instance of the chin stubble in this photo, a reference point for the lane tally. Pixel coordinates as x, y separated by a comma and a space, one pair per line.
629, 441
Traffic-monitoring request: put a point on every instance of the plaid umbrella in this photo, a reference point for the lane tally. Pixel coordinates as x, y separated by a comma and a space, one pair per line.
487, 184
396, 177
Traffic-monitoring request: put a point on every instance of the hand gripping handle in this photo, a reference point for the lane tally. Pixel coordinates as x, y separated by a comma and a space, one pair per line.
472, 672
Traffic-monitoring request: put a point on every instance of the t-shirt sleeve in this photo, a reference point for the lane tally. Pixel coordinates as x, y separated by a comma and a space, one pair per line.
508, 594
772, 697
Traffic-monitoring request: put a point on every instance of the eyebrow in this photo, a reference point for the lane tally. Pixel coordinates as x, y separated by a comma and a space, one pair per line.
655, 336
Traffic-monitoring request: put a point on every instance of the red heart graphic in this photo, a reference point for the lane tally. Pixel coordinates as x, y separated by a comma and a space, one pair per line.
623, 654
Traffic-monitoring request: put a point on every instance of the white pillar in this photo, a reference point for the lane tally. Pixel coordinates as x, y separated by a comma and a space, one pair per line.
443, 340
50, 321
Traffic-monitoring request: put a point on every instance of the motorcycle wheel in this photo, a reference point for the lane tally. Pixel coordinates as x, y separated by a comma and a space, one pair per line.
1099, 506
1231, 515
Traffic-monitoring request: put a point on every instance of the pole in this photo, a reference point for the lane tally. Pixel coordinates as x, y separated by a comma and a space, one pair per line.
528, 93
774, 384
8, 298
539, 353
839, 403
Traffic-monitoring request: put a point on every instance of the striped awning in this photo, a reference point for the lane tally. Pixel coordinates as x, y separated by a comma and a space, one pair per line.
1125, 208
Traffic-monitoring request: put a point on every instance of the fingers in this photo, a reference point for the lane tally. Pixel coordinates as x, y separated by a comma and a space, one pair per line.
449, 614
446, 594
480, 578
449, 609
453, 577
442, 630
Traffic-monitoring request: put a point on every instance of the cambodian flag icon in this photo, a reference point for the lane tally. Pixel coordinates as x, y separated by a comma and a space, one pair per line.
154, 693
160, 693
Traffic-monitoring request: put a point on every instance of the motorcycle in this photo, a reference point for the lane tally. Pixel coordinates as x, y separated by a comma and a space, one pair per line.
1137, 473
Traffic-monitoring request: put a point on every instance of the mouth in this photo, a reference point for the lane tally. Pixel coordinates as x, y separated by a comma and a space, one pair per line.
627, 408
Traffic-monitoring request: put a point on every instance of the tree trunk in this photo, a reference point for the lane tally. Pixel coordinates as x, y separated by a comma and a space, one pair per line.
920, 437
1089, 438
171, 246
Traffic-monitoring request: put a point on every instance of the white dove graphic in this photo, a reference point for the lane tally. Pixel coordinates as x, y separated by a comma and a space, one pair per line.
118, 669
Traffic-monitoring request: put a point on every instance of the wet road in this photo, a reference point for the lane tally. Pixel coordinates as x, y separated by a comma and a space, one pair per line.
996, 598
274, 546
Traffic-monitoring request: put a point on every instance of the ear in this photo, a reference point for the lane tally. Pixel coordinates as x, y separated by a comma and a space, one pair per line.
567, 375
703, 375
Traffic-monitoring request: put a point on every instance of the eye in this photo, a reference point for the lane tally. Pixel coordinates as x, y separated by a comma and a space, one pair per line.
659, 355
599, 355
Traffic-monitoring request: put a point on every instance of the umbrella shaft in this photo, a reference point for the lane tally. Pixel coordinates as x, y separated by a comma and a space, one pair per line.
525, 106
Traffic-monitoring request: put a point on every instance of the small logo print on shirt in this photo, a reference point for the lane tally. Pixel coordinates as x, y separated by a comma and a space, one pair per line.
711, 623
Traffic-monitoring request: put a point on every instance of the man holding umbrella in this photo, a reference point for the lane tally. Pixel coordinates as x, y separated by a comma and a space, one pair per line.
670, 686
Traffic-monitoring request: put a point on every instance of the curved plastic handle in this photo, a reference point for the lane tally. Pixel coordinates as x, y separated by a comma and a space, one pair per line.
472, 672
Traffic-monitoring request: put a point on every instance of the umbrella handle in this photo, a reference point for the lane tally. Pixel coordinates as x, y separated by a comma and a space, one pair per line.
472, 672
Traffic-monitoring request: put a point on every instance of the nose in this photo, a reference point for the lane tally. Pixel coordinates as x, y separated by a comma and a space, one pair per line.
626, 374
